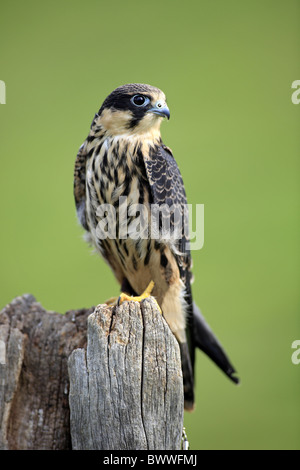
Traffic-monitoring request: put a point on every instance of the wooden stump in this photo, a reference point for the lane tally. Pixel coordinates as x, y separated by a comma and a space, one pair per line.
117, 370
34, 385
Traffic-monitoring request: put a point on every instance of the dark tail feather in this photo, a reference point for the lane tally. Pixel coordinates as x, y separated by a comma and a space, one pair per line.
188, 377
205, 339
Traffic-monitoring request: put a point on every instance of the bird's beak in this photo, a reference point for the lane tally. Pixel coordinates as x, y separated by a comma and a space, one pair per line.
161, 109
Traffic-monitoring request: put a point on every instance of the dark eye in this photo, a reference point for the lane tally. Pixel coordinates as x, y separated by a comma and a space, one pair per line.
140, 100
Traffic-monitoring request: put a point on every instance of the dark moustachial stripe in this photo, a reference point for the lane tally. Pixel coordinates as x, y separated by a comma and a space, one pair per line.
135, 121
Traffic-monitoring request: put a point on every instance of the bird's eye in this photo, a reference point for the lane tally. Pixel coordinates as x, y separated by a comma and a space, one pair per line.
140, 100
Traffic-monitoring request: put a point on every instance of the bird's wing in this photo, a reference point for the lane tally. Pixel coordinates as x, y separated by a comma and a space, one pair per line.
79, 185
167, 187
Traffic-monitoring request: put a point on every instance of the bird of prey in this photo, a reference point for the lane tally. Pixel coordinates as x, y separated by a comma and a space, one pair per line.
124, 159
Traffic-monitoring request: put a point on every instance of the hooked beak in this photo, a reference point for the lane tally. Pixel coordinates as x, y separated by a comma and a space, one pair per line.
161, 109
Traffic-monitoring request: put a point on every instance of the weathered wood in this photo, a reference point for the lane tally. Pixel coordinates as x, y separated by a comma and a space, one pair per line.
126, 391
126, 383
35, 346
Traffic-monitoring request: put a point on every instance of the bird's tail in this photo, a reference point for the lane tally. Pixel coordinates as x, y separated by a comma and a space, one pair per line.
205, 340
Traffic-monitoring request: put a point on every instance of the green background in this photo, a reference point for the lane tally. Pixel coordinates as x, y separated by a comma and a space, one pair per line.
227, 69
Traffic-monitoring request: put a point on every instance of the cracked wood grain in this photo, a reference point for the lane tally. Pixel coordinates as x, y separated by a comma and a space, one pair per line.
34, 383
120, 389
126, 392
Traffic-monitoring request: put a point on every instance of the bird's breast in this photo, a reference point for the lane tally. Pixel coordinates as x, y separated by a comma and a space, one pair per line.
118, 204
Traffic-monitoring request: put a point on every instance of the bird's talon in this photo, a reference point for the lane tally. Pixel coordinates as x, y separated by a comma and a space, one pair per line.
147, 292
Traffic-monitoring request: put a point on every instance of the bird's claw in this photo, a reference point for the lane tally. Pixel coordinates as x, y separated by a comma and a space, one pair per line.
147, 293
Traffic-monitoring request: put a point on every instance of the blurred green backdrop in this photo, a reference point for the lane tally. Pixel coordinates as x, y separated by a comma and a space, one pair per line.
227, 69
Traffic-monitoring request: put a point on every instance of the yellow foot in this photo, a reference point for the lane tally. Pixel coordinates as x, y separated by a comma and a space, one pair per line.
125, 297
147, 292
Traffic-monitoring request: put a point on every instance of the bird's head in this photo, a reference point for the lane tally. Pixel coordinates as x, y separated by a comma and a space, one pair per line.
133, 109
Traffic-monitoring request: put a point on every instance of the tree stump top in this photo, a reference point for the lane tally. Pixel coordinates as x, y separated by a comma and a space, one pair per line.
117, 370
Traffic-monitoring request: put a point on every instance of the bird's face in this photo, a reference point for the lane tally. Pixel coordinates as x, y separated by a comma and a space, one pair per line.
133, 109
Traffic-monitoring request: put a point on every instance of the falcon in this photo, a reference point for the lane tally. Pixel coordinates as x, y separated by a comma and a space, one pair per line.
123, 164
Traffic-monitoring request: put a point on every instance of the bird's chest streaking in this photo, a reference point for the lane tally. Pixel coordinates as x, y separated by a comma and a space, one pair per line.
117, 192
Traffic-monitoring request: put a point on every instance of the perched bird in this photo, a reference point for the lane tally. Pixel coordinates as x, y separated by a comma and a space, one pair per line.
123, 162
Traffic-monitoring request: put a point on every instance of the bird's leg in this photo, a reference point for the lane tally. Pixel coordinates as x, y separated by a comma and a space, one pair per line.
147, 292
113, 301
125, 287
